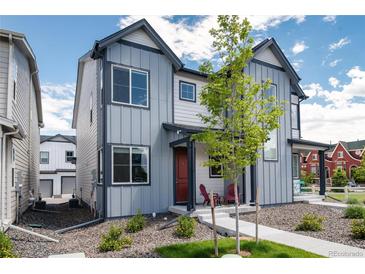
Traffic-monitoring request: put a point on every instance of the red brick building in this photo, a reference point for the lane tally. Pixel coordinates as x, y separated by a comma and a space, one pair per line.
344, 155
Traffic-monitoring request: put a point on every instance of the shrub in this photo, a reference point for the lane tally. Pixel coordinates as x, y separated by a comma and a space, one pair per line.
185, 227
114, 240
355, 212
339, 179
353, 201
309, 179
136, 223
6, 246
358, 229
359, 173
310, 222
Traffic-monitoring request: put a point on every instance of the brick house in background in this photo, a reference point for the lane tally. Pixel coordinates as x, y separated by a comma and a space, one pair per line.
344, 155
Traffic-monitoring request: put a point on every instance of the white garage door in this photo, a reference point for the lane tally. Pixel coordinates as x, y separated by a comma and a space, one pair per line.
46, 188
68, 184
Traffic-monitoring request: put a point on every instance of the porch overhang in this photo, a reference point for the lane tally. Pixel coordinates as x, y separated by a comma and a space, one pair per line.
184, 129
302, 144
11, 126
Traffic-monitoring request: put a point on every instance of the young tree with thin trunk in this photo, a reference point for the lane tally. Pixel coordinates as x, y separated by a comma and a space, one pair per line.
241, 116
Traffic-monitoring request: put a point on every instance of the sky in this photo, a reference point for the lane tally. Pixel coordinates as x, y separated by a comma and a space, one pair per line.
326, 51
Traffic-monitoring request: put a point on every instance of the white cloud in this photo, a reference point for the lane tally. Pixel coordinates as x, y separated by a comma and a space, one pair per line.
297, 64
334, 82
57, 104
299, 47
192, 40
341, 43
341, 117
334, 63
329, 18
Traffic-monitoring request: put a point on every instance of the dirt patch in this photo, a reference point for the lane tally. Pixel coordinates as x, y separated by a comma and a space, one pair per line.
87, 239
287, 217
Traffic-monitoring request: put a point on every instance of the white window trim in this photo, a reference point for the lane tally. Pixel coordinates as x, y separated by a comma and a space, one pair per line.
130, 167
194, 93
340, 154
130, 86
296, 176
276, 158
41, 157
73, 155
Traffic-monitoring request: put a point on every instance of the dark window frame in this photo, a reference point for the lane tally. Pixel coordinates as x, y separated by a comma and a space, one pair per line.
130, 147
180, 91
73, 155
40, 158
297, 120
298, 162
100, 174
131, 69
211, 175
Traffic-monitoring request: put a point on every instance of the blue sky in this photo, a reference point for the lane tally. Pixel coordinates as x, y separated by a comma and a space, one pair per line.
327, 52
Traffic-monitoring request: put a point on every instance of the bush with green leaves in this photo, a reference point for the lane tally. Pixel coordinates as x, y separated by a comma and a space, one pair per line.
355, 212
310, 222
185, 227
309, 179
339, 179
358, 229
114, 240
136, 223
6, 246
359, 173
352, 201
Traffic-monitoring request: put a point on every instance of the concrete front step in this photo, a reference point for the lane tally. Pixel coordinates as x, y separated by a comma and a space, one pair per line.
208, 217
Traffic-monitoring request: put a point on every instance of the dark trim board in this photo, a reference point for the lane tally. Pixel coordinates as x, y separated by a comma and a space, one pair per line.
140, 46
257, 61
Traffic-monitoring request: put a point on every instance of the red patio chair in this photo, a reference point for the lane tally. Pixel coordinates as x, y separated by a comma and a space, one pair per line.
205, 195
230, 193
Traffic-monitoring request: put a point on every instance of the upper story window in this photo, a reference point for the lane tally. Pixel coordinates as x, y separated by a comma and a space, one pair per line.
295, 116
69, 155
130, 165
15, 77
315, 157
340, 154
130, 86
44, 157
271, 146
187, 91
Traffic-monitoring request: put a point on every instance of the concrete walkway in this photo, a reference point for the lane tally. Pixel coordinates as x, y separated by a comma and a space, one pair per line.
226, 226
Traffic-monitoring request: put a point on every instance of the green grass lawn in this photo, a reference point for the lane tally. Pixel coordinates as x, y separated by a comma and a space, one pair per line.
205, 249
342, 197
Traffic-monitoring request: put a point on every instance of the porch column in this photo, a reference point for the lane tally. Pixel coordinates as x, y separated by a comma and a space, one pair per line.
253, 184
191, 175
322, 173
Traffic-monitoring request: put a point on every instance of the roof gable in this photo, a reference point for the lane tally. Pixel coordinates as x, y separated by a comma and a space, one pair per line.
129, 32
58, 138
268, 56
140, 37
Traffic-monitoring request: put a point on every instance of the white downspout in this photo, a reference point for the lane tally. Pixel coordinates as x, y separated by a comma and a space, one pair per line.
3, 171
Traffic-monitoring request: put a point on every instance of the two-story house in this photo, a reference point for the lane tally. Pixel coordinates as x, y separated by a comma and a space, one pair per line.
57, 166
20, 121
135, 109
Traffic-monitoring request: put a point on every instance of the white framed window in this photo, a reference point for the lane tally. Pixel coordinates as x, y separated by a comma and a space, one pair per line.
91, 108
130, 86
340, 154
130, 165
15, 77
315, 157
69, 155
44, 157
294, 116
271, 146
296, 168
187, 91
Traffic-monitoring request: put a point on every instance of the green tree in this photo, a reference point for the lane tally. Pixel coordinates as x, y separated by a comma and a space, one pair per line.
241, 114
359, 172
339, 178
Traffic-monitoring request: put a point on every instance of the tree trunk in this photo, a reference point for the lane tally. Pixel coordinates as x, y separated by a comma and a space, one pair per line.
236, 202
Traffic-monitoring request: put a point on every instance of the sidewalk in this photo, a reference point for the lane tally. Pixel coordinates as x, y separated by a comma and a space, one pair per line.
226, 225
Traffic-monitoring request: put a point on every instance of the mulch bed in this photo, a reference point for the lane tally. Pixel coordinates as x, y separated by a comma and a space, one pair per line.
286, 217
87, 239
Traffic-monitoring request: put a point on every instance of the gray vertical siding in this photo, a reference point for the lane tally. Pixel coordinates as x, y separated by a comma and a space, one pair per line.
138, 126
274, 178
4, 64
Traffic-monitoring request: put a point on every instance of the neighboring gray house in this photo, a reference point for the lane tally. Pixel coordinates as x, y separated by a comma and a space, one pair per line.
20, 120
136, 106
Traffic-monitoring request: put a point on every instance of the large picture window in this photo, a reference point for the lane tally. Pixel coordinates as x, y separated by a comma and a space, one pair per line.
187, 91
130, 86
130, 165
271, 146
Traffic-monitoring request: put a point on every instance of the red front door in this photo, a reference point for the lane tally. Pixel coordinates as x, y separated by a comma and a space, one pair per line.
181, 161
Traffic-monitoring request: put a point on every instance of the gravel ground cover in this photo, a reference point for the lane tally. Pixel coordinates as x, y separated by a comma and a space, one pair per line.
87, 239
286, 217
